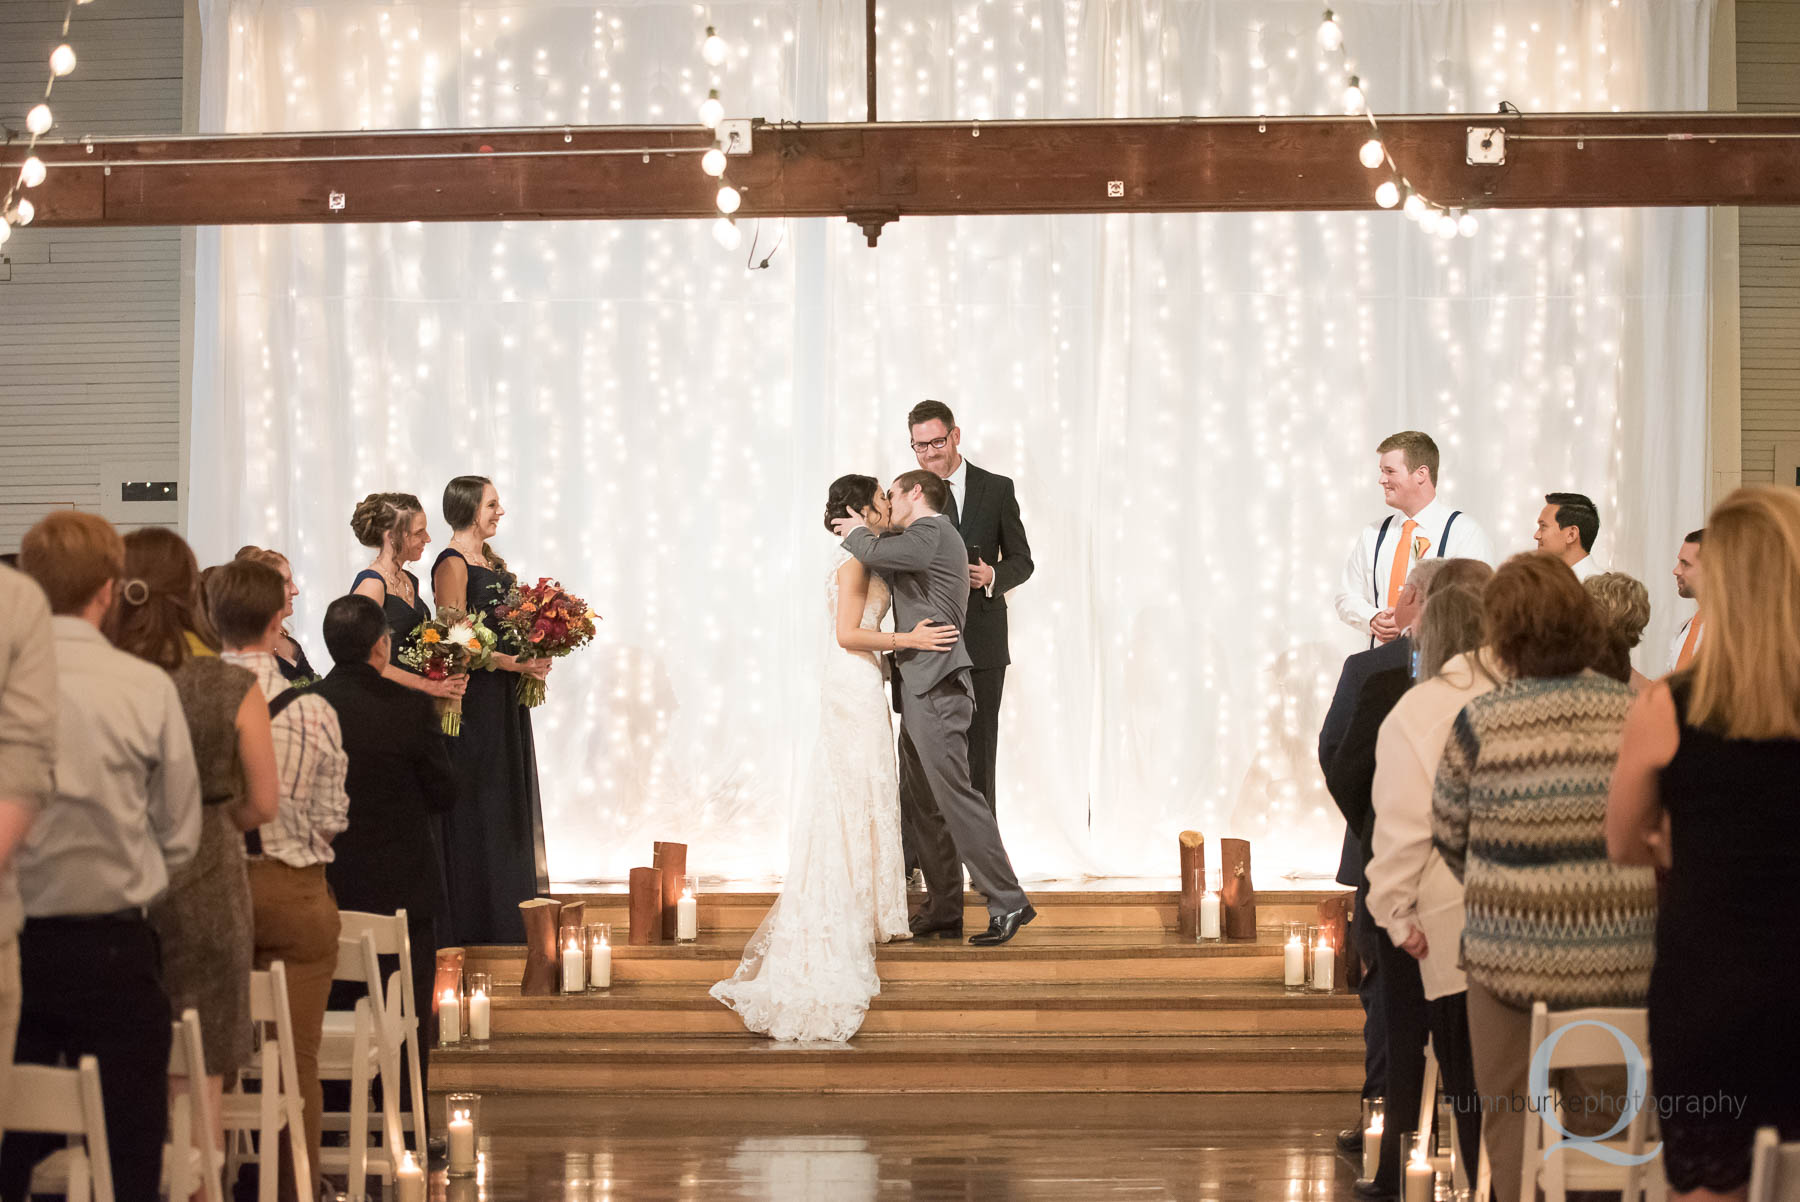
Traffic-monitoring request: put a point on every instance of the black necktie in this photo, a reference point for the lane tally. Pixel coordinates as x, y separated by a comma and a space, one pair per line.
950, 507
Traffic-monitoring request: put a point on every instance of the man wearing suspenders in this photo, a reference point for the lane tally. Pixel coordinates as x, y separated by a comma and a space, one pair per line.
1386, 550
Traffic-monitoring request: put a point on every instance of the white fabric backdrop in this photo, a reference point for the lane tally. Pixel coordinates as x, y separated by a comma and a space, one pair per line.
1188, 403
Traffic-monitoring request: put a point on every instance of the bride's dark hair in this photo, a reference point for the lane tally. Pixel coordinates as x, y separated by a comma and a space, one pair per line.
849, 494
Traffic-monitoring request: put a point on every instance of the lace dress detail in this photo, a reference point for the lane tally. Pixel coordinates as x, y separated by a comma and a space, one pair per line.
808, 972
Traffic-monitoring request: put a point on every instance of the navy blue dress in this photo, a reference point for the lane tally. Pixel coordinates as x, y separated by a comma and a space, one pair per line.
493, 838
402, 619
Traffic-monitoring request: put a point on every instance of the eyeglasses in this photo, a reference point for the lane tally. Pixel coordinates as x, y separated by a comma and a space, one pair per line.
936, 444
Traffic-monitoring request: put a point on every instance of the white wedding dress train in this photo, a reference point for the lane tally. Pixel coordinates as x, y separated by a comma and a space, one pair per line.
808, 972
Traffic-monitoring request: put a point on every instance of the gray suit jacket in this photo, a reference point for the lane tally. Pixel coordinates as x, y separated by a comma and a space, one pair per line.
927, 568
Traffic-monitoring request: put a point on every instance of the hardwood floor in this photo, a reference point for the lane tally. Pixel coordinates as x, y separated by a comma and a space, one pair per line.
964, 1147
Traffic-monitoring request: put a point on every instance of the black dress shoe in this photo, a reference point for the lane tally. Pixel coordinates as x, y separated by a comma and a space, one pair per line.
1003, 927
923, 928
1368, 1191
1350, 1142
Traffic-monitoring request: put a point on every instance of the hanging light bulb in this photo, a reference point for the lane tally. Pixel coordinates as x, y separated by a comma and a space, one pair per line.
1331, 35
39, 120
725, 233
713, 48
1353, 96
26, 211
1387, 195
713, 162
729, 200
1445, 226
5, 230
1466, 225
1373, 154
1415, 206
62, 60
711, 111
33, 172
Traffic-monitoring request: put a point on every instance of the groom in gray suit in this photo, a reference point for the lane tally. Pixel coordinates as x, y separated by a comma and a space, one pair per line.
926, 566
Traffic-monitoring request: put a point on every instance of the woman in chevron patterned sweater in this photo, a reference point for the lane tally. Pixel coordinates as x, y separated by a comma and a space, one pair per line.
1519, 815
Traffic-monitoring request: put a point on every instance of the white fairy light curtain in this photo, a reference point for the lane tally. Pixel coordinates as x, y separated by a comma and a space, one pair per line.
1189, 404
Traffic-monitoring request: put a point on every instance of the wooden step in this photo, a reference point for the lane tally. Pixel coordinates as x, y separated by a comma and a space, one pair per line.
930, 1008
875, 1063
1055, 954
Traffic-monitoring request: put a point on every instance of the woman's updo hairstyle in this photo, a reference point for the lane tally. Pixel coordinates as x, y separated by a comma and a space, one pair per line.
462, 505
849, 494
381, 514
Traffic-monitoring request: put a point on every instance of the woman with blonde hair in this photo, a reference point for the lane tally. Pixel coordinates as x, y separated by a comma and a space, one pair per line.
290, 656
1625, 604
1705, 785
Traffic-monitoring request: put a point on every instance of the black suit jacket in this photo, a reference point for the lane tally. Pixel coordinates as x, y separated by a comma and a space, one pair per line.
1358, 669
988, 518
1351, 777
399, 775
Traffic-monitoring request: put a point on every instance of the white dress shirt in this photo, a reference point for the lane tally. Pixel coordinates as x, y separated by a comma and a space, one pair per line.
1585, 568
1409, 883
310, 764
125, 810
1362, 593
1680, 638
958, 481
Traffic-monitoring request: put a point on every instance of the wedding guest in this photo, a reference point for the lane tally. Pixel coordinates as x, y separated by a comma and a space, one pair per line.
290, 656
295, 916
399, 775
1687, 640
27, 754
124, 813
1518, 814
393, 523
203, 921
494, 835
1411, 891
1395, 1012
1386, 550
1705, 784
1625, 605
985, 510
1567, 526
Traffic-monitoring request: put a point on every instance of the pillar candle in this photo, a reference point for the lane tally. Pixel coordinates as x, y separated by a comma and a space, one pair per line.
478, 1015
574, 975
1371, 1149
687, 918
1324, 965
409, 1182
461, 1142
600, 966
1419, 1181
1209, 916
449, 1018
1293, 963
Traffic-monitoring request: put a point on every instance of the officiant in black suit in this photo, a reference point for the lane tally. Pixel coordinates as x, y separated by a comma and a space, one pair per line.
986, 512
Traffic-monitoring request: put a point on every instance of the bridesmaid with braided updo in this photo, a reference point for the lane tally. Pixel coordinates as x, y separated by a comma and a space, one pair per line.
393, 524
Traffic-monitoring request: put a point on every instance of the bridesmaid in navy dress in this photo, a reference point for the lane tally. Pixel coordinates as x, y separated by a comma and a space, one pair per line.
393, 524
494, 837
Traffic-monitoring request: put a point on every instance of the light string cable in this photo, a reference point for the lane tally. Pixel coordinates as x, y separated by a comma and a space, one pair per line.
18, 208
713, 52
1435, 218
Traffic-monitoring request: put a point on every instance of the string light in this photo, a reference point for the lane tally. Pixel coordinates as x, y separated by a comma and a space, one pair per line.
711, 110
713, 162
39, 120
713, 48
25, 211
1373, 154
1331, 34
725, 233
33, 172
62, 60
14, 209
1387, 195
729, 200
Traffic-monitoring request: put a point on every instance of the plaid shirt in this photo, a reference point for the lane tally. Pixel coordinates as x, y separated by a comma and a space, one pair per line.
309, 769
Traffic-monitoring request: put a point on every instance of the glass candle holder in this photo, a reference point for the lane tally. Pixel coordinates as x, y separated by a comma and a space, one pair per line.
1374, 1119
687, 911
450, 1015
1293, 957
1420, 1178
481, 991
462, 1126
599, 955
1322, 973
573, 960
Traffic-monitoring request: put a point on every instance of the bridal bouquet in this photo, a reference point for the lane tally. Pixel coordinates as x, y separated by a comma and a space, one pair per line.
453, 643
542, 621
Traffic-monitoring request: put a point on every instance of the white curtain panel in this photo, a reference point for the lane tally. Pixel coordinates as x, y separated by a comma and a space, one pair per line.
1189, 404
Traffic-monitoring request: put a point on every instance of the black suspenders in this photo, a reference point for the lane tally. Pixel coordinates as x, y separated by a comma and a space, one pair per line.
1381, 537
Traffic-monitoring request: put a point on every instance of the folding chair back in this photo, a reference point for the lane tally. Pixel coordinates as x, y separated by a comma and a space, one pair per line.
63, 1101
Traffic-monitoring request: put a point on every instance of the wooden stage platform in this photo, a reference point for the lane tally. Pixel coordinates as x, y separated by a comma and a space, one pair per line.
1099, 994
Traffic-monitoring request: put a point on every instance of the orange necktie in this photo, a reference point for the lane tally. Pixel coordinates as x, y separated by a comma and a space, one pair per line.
1687, 647
1402, 561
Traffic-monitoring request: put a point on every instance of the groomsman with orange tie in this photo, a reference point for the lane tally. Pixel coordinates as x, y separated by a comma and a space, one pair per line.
1387, 549
1687, 586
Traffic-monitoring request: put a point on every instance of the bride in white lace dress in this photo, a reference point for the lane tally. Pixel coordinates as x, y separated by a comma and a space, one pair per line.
809, 971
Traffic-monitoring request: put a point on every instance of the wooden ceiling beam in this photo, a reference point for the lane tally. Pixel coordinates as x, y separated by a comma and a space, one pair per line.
873, 173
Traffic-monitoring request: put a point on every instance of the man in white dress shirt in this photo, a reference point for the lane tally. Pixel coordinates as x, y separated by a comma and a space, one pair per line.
1687, 640
1567, 526
1425, 527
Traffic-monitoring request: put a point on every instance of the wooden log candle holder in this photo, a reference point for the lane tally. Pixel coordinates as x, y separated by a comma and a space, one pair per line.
1334, 923
671, 860
646, 914
1193, 883
1238, 894
543, 967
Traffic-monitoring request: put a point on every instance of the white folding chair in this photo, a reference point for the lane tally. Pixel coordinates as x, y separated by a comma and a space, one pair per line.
190, 1159
1774, 1168
360, 1045
1447, 1162
1589, 1047
278, 1105
63, 1101
391, 938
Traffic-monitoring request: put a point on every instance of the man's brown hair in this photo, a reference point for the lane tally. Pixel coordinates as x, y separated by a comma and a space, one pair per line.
937, 493
72, 555
1419, 450
926, 411
243, 597
1540, 621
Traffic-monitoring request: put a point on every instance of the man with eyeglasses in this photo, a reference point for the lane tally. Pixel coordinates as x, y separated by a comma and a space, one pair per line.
985, 510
